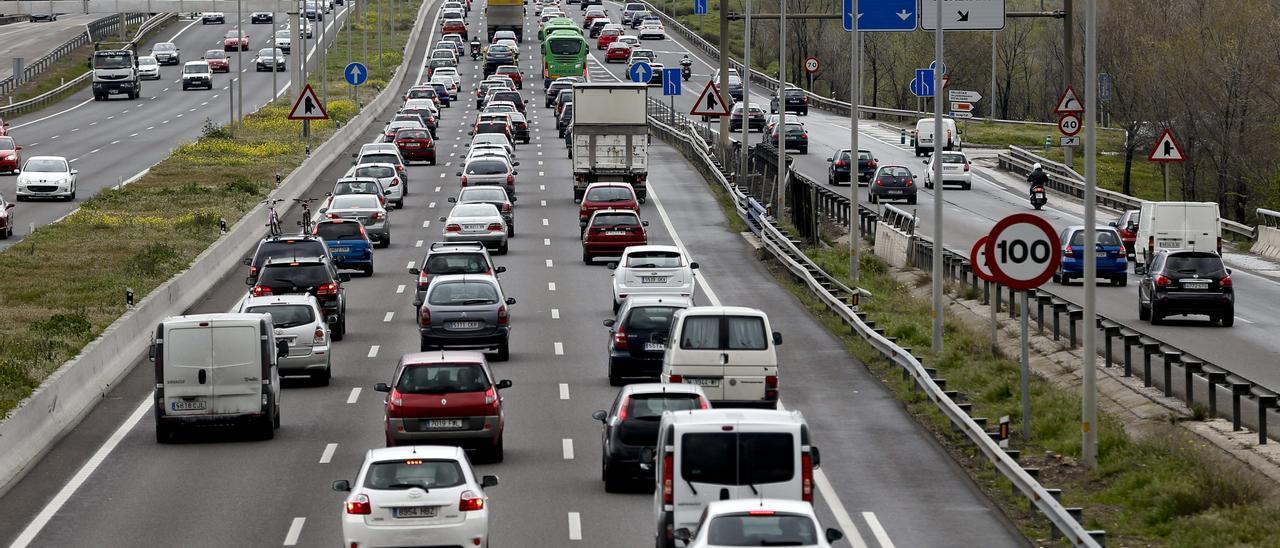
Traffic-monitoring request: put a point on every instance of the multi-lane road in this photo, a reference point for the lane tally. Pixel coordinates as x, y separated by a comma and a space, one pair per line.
32, 41
884, 480
113, 141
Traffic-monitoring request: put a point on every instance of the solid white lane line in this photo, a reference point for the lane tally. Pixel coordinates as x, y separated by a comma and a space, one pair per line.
566, 447
400, 288
555, 313
559, 348
548, 263
551, 286
564, 390
671, 229
327, 455
546, 241
882, 536
295, 530
387, 317
373, 351
575, 526
355, 395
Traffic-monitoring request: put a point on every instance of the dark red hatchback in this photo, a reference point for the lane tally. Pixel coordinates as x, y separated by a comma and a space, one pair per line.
612, 230
416, 145
600, 196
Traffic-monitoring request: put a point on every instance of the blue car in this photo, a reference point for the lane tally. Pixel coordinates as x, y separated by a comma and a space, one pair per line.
348, 243
1110, 252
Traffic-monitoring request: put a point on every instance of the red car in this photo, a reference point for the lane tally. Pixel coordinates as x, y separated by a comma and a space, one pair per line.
10, 157
454, 26
416, 145
445, 397
4, 127
618, 51
235, 39
6, 219
218, 60
1127, 225
600, 196
612, 230
607, 36
512, 72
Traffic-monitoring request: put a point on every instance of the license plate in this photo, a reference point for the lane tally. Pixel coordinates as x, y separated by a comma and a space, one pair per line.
416, 511
615, 233
654, 347
189, 405
1039, 195
1170, 243
411, 145
894, 192
1195, 285
464, 325
475, 227
702, 381
340, 249
1099, 254
444, 423
653, 279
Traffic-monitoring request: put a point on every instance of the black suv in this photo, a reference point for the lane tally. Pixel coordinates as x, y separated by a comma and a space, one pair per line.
797, 102
553, 91
452, 258
631, 425
1187, 282
295, 245
315, 275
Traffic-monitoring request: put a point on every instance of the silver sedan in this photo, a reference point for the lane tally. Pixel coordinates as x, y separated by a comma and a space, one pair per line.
365, 208
476, 223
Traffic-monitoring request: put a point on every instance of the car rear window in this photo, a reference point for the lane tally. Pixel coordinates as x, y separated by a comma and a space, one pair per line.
653, 259
650, 319
354, 201
412, 134
701, 333
484, 195
1105, 237
486, 167
952, 158
737, 458
1204, 264
651, 406
747, 333
420, 473
762, 530
354, 187
457, 263
895, 172
289, 248
442, 378
379, 172
302, 276
862, 154
609, 194
615, 219
462, 293
513, 96
339, 231
379, 159
473, 210
285, 316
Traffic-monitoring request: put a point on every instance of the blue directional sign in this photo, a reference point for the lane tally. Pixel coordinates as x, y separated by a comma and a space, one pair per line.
640, 72
356, 73
1104, 87
922, 85
881, 15
699, 7
671, 81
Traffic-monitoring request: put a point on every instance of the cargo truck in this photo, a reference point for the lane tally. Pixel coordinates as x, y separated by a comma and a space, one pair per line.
115, 71
610, 136
505, 15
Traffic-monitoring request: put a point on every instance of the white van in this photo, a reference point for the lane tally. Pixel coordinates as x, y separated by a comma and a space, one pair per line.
703, 456
217, 369
729, 351
1191, 226
924, 136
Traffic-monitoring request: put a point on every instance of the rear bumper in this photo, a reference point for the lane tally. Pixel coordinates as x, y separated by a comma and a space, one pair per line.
407, 432
418, 153
1195, 303
316, 362
751, 404
608, 248
624, 364
491, 240
465, 341
1109, 266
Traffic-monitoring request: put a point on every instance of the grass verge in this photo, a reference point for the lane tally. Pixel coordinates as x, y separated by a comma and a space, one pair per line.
62, 285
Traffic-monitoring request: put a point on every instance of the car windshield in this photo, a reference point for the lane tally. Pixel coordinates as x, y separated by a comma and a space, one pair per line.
355, 187
483, 195
215, 54
282, 34
165, 47
381, 172
45, 165
7, 143
355, 201
474, 210
653, 259
463, 293
650, 319
111, 60
609, 194
650, 406
486, 167
267, 52
615, 219
457, 263
285, 316
300, 276
339, 231
1105, 237
407, 474
195, 69
735, 458
757, 529
1204, 264
233, 34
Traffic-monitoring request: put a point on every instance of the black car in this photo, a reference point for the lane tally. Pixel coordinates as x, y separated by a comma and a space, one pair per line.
755, 118
797, 102
1187, 282
296, 245
498, 55
259, 17
553, 91
43, 17
451, 258
520, 129
735, 88
597, 26
565, 120
631, 425
316, 276
797, 137
892, 183
838, 167
508, 95
637, 336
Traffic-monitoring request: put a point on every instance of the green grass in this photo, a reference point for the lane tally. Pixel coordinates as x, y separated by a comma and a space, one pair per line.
61, 286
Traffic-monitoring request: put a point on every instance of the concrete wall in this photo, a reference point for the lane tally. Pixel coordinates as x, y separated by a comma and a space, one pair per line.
1268, 242
892, 244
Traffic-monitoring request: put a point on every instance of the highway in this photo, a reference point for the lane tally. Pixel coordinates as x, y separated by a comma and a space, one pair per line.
1249, 348
32, 41
110, 142
884, 480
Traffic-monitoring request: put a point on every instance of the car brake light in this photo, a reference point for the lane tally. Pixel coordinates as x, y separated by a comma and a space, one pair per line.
1225, 281
622, 408
378, 215
703, 403
318, 336
668, 482
503, 318
464, 180
495, 226
760, 513
330, 288
453, 228
359, 505
871, 164
879, 182
771, 387
333, 216
511, 179
1162, 280
1067, 252
423, 280
470, 502
259, 290
966, 167
506, 208
253, 271
620, 339
909, 183
806, 478
424, 317
841, 163
395, 181
676, 378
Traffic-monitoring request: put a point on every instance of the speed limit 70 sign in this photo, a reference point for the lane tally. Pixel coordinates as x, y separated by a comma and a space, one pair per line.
811, 64
1022, 251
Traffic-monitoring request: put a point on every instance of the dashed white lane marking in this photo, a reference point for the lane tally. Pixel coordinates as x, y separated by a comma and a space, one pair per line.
564, 390
115, 142
431, 205
373, 351
546, 222
559, 348
878, 530
544, 203
90, 123
417, 243
546, 241
327, 455
441, 175
438, 188
542, 187
555, 313
575, 526
566, 447
94, 151
549, 263
387, 317
410, 265
56, 136
355, 395
400, 288
542, 174
539, 162
551, 286
295, 530
425, 224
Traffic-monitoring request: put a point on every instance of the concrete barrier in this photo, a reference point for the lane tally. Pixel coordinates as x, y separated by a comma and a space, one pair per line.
1268, 242
892, 244
63, 399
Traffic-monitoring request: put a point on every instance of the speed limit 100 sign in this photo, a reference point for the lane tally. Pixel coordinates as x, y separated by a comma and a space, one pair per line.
1022, 251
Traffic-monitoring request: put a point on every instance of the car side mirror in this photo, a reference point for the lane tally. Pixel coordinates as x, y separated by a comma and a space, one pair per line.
683, 534
510, 300
282, 348
513, 199
611, 266
458, 174
646, 456
248, 261
344, 277
913, 177
151, 352
644, 223
831, 159
500, 270
1228, 270
488, 481
415, 271
503, 384
514, 172
443, 219
1113, 224
516, 163
248, 280
10, 206
453, 200
341, 485
19, 147
600, 416
693, 265
834, 535
386, 192
777, 338
75, 171
381, 387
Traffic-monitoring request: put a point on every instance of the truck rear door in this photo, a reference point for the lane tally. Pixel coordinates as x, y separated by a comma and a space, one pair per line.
188, 385
696, 354
236, 369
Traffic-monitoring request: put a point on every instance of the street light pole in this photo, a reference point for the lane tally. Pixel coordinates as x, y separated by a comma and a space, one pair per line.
323, 53
746, 93
855, 97
723, 83
239, 91
272, 45
781, 128
938, 311
1089, 413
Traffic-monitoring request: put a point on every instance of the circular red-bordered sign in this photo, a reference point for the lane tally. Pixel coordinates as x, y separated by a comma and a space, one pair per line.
1069, 124
978, 259
1022, 251
811, 64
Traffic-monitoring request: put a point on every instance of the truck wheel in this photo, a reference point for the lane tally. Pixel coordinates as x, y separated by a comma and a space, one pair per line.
164, 433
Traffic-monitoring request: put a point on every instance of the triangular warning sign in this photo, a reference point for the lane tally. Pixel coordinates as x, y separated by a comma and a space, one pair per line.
1069, 102
1166, 149
710, 102
308, 106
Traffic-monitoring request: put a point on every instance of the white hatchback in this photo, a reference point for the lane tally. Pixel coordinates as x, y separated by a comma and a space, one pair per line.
759, 522
955, 170
652, 270
405, 496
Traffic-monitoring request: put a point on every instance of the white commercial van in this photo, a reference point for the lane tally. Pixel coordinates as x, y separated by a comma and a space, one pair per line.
1190, 226
924, 136
729, 351
217, 369
703, 456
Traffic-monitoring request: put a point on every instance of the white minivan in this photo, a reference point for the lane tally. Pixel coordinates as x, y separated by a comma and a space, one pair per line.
217, 369
924, 136
730, 351
1189, 226
703, 456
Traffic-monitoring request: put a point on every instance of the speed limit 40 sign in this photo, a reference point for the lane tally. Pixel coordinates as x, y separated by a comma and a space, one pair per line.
1022, 251
1069, 124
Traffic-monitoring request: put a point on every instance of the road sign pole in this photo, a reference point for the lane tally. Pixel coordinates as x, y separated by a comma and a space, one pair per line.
991, 111
855, 97
1089, 413
239, 91
272, 44
782, 109
938, 310
1164, 173
351, 5
324, 63
297, 45
746, 93
1026, 365
724, 78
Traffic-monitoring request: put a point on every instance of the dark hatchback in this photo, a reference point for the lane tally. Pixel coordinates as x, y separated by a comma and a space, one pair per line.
298, 245
631, 425
838, 167
316, 276
1187, 282
797, 102
892, 183
638, 336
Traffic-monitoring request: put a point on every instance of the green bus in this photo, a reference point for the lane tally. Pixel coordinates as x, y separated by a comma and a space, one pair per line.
558, 23
564, 53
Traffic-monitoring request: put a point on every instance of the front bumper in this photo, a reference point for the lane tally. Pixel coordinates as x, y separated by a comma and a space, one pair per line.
44, 190
197, 82
123, 86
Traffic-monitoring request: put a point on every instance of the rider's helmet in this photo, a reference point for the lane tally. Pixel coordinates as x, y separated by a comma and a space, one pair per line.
1036, 167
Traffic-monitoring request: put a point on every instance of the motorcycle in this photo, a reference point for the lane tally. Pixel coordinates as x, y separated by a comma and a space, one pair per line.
686, 72
1038, 197
475, 51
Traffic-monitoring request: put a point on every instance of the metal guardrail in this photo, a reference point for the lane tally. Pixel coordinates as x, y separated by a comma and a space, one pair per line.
670, 127
1267, 217
56, 94
93, 29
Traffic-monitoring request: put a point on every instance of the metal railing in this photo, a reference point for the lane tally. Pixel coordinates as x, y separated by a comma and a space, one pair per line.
57, 94
1267, 217
676, 130
94, 30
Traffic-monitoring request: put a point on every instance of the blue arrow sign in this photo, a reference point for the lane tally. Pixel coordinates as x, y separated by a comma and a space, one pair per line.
640, 72
699, 7
671, 81
934, 66
356, 73
881, 15
922, 85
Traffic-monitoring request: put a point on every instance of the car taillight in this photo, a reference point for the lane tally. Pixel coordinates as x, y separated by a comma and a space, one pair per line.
506, 208
966, 167
841, 163
395, 181
771, 387
1067, 252
1225, 281
879, 182
1162, 280
423, 281
676, 378
620, 339
333, 216
622, 408
400, 169
910, 183
806, 477
668, 482
330, 288
318, 337
703, 403
470, 502
511, 179
453, 228
495, 226
805, 99
871, 164
503, 318
359, 505
424, 317
259, 290
253, 271
378, 215
464, 180
804, 135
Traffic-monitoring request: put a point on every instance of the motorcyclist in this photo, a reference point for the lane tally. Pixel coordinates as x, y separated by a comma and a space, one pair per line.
1037, 177
475, 46
686, 62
